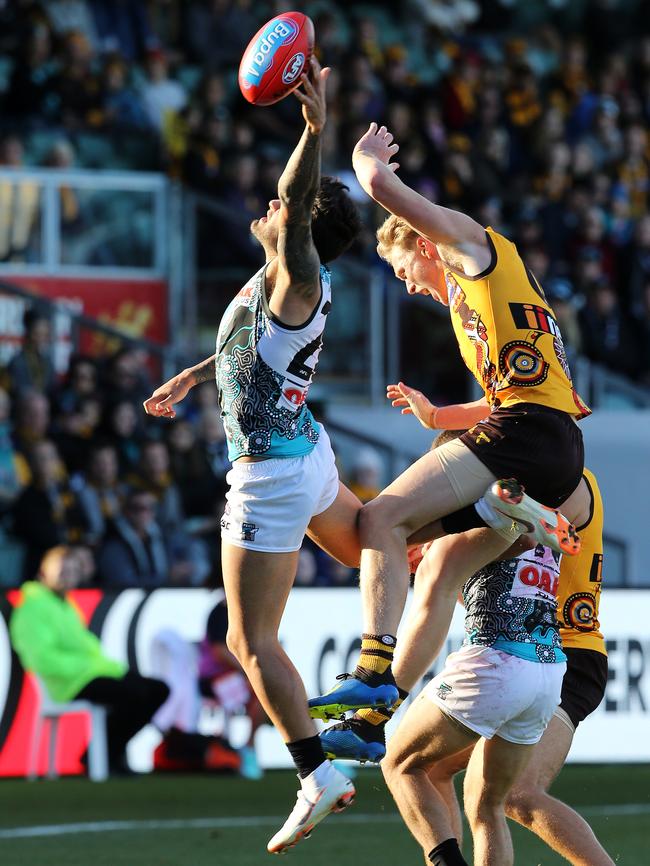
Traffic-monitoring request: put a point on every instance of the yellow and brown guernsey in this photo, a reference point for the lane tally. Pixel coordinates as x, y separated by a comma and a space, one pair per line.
580, 581
508, 335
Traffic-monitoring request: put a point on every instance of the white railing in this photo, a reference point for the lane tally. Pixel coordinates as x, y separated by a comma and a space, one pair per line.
83, 223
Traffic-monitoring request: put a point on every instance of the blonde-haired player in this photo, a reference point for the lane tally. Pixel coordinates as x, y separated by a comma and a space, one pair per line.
523, 428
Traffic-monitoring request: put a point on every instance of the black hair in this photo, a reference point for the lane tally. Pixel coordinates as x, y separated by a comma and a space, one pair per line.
335, 220
32, 316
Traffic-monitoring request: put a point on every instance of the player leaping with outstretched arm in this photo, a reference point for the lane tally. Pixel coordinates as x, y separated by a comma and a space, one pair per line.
284, 480
509, 338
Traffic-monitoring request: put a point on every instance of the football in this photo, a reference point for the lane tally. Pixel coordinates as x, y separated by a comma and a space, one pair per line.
276, 57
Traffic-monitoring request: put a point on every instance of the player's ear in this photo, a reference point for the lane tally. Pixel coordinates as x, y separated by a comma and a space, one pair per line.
423, 247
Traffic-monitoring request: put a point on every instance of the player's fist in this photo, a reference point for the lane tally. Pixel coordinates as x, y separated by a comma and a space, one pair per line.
412, 402
161, 403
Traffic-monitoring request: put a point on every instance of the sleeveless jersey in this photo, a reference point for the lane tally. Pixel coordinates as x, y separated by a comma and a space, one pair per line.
580, 581
511, 606
507, 333
263, 372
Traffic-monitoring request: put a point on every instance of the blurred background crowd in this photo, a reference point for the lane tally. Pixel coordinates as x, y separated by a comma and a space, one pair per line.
81, 464
530, 116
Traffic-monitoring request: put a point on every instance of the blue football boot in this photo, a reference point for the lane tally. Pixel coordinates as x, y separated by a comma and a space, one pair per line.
354, 740
350, 695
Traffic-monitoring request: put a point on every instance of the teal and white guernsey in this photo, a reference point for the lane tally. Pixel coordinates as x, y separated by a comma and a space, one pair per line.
511, 605
263, 372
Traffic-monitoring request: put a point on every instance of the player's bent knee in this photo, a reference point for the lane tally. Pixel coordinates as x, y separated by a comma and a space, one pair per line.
520, 806
248, 649
379, 517
482, 810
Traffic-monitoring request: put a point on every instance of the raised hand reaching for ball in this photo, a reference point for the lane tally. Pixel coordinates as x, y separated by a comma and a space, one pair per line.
376, 144
312, 95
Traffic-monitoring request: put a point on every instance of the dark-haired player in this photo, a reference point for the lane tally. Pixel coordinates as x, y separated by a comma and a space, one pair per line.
284, 480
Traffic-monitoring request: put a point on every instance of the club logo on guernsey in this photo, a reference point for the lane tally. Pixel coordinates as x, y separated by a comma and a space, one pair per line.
260, 57
293, 396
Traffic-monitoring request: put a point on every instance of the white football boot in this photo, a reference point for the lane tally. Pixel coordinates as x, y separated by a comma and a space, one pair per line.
324, 791
508, 510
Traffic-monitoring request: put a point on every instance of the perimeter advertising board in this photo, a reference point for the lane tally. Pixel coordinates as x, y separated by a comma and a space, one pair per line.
320, 632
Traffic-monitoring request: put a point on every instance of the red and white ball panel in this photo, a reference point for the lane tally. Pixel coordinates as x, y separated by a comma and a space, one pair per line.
276, 57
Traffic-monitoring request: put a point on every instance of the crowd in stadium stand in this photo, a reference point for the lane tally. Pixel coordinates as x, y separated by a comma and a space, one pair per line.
82, 464
541, 133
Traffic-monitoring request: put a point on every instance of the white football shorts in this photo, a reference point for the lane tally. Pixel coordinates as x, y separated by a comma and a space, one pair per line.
270, 503
492, 692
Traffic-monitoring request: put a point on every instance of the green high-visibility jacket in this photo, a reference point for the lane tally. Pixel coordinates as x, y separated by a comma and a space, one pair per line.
52, 641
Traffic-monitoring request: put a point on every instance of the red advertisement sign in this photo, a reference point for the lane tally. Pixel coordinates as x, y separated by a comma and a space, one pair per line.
137, 307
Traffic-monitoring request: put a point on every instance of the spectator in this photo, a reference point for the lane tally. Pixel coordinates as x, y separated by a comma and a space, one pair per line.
14, 471
123, 28
19, 206
200, 487
213, 439
52, 641
222, 680
154, 476
62, 156
80, 383
99, 490
75, 432
126, 378
32, 420
608, 335
31, 368
77, 84
217, 31
161, 95
638, 265
31, 93
122, 107
189, 559
134, 552
120, 428
366, 474
560, 296
67, 15
47, 512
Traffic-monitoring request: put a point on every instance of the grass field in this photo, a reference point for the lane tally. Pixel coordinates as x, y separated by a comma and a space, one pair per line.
221, 821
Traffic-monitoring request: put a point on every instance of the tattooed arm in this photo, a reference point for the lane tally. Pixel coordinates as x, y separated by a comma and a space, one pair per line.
161, 403
297, 281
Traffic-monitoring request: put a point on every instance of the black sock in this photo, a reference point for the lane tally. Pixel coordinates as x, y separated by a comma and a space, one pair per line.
462, 520
307, 754
447, 854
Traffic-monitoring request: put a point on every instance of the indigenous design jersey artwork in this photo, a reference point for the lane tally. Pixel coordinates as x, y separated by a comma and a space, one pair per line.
581, 578
263, 372
511, 605
507, 333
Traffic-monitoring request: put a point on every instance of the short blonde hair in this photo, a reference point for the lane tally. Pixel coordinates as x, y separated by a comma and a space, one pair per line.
394, 232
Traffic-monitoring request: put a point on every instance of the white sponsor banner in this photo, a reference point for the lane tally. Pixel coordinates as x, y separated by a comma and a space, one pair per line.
320, 632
